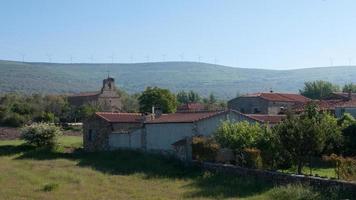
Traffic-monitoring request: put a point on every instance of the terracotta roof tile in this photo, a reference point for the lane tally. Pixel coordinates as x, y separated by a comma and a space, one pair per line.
329, 104
120, 117
191, 107
272, 119
286, 97
184, 117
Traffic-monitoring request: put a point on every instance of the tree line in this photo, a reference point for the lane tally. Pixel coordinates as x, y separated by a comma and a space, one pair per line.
19, 109
322, 89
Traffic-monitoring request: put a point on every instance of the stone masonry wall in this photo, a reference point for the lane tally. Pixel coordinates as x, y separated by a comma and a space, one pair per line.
280, 178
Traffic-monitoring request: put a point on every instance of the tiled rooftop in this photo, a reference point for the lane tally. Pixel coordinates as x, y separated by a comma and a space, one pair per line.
121, 117
284, 97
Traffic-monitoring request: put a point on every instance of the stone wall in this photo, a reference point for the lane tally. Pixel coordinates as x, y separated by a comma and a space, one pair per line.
249, 105
279, 178
95, 134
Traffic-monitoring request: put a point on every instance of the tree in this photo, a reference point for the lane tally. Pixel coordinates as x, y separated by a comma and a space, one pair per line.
193, 97
333, 135
182, 97
318, 89
307, 135
188, 97
129, 102
349, 134
158, 97
351, 87
238, 136
212, 99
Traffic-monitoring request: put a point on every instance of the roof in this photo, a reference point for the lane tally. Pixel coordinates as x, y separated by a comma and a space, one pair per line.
342, 95
285, 97
84, 94
120, 117
329, 104
272, 119
351, 103
191, 107
184, 117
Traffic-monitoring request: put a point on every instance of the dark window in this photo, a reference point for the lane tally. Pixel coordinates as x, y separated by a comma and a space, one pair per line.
90, 135
256, 110
242, 110
342, 111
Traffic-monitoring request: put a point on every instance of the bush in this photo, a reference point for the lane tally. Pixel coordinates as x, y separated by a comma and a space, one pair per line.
348, 169
14, 120
41, 134
252, 158
204, 149
293, 192
345, 168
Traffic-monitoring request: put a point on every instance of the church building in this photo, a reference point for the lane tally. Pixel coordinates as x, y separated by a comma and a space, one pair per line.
107, 98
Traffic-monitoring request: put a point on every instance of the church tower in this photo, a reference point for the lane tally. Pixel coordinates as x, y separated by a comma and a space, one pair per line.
108, 84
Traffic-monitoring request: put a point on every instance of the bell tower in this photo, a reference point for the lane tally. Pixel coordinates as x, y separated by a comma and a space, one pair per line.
108, 84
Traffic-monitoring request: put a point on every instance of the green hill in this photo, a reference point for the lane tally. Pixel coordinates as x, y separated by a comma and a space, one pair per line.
202, 77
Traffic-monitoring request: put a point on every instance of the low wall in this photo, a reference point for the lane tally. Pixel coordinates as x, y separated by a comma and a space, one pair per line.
279, 178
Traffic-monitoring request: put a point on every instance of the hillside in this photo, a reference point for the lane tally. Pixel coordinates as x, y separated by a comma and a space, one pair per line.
203, 77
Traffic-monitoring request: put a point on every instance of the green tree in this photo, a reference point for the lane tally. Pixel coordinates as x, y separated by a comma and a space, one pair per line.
182, 97
188, 97
129, 102
158, 97
351, 87
193, 97
349, 134
318, 89
333, 135
307, 135
238, 135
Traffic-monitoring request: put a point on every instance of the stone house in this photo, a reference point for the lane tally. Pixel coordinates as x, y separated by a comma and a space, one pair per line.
336, 103
266, 103
107, 131
107, 98
162, 132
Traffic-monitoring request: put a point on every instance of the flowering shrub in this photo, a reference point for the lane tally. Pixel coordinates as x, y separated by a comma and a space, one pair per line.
41, 134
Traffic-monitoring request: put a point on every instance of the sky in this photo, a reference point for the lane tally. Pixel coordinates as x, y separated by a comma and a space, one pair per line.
270, 34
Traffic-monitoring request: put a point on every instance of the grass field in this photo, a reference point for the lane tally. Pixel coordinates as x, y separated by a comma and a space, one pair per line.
70, 173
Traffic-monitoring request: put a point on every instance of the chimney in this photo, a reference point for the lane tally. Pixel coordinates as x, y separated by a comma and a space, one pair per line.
153, 112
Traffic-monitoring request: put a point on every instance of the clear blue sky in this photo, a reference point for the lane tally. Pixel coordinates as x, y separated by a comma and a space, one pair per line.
273, 34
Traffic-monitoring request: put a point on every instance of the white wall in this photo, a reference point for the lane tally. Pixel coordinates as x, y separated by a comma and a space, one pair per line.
162, 136
136, 139
125, 140
119, 140
208, 126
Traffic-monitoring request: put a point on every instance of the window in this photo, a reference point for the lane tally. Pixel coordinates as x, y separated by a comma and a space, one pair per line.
242, 110
342, 111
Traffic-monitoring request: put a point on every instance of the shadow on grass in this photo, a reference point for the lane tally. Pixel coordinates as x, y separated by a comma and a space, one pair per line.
126, 162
